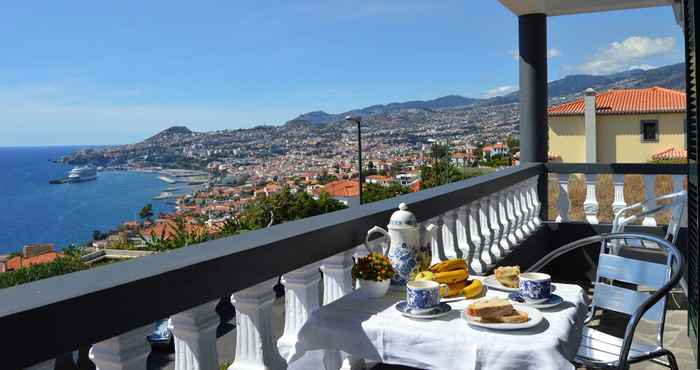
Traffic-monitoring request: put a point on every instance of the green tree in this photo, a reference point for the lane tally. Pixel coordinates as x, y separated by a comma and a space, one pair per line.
146, 212
441, 174
286, 206
59, 266
374, 192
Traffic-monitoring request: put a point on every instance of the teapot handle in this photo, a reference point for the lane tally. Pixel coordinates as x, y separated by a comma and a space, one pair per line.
373, 230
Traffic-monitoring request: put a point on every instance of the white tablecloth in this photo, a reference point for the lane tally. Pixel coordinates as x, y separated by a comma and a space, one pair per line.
373, 329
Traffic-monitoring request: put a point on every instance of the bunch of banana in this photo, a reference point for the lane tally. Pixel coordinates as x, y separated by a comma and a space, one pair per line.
454, 273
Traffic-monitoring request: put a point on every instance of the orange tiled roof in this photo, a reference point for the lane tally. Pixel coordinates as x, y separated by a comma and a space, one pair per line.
343, 188
18, 261
650, 100
671, 153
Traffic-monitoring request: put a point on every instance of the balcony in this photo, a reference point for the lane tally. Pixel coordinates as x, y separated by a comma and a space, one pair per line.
490, 220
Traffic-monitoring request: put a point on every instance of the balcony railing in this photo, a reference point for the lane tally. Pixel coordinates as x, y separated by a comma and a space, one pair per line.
489, 220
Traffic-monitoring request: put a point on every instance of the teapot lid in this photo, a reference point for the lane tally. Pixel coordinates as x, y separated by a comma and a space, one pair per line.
403, 218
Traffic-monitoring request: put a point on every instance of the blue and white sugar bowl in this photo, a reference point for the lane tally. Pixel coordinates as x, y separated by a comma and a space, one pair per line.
535, 287
407, 254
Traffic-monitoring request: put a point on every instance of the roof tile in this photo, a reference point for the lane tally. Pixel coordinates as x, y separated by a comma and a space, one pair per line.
650, 100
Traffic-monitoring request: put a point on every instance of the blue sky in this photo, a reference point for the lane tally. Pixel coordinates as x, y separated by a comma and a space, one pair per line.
87, 72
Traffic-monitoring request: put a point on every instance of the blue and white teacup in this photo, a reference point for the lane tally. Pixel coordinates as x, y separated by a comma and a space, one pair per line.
535, 287
424, 295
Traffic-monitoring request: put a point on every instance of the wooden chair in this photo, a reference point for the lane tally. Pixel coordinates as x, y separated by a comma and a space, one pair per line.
614, 274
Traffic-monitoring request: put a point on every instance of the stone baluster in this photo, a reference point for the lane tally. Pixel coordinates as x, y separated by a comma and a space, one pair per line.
563, 203
46, 365
649, 193
466, 251
510, 215
436, 237
337, 278
619, 193
449, 234
477, 264
255, 347
677, 181
505, 243
535, 200
128, 351
428, 236
525, 207
517, 212
195, 337
590, 205
486, 235
301, 296
496, 229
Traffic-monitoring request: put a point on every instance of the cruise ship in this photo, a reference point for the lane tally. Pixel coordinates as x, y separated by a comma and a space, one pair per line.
82, 173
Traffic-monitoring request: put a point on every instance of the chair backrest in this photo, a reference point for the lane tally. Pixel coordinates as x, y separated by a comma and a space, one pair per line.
650, 207
619, 278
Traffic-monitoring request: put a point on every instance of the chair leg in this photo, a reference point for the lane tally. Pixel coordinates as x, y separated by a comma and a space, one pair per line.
672, 361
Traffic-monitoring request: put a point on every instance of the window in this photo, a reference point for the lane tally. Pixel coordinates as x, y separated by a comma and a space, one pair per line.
650, 131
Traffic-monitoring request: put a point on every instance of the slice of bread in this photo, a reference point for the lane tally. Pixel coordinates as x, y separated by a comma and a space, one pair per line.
508, 276
514, 317
490, 307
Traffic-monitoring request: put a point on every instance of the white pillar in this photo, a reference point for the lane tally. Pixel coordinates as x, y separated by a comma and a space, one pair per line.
302, 295
485, 229
462, 226
619, 193
563, 203
337, 277
512, 220
255, 348
46, 365
128, 351
503, 219
649, 193
525, 207
590, 205
195, 337
476, 264
449, 234
590, 125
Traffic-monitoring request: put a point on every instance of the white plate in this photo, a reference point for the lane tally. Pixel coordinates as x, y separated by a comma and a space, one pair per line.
491, 282
460, 297
534, 318
553, 301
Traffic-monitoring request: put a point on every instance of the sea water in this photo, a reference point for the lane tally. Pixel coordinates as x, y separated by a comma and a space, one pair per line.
34, 211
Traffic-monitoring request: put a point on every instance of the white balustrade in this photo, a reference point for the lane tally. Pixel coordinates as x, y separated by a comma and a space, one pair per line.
255, 348
462, 226
496, 228
337, 278
46, 365
517, 212
649, 193
535, 200
195, 337
128, 351
619, 193
521, 192
449, 234
512, 220
590, 205
477, 244
505, 243
563, 203
428, 234
301, 299
486, 233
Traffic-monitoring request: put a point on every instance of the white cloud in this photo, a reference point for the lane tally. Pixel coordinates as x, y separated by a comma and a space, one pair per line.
551, 53
622, 55
501, 90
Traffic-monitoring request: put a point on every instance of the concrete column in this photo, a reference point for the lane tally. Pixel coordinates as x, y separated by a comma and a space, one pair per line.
590, 125
195, 337
534, 139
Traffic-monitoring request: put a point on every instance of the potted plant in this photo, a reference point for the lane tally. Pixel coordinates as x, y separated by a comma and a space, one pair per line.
373, 274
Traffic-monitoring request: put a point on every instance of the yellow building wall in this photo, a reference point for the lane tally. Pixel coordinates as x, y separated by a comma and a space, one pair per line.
618, 137
567, 138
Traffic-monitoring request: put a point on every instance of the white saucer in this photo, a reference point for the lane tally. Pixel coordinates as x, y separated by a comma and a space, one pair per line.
534, 317
440, 310
491, 282
553, 301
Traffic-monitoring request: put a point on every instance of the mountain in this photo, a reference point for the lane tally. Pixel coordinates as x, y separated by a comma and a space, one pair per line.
174, 133
567, 88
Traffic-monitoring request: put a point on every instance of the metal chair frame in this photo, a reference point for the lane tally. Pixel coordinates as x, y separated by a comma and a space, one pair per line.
650, 207
673, 276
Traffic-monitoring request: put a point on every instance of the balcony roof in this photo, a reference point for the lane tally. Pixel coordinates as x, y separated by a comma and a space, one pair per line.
564, 7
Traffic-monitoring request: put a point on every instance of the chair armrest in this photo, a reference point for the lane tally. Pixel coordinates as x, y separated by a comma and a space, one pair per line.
551, 256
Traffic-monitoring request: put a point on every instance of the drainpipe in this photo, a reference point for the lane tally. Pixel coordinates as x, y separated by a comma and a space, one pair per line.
590, 122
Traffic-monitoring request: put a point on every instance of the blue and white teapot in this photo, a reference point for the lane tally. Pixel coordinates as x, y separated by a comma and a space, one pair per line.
407, 253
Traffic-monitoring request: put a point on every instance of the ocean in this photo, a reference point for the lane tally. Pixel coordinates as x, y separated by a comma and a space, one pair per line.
34, 211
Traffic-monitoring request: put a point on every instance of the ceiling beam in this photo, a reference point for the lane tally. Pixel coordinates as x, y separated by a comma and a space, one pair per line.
565, 7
